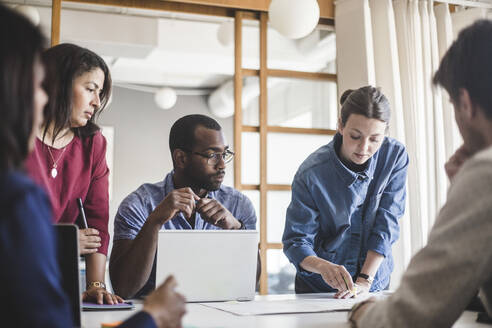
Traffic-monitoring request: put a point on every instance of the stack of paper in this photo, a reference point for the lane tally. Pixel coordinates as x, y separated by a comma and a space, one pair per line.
264, 307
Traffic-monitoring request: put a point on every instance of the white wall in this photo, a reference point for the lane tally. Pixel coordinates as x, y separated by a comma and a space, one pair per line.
141, 139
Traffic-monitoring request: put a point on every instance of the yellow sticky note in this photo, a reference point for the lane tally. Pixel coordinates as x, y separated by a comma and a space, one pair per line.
111, 324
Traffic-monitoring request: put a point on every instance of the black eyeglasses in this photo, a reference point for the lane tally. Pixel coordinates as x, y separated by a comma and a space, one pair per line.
214, 158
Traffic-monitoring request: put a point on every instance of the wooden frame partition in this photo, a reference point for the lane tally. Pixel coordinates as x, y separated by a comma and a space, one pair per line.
238, 88
263, 153
55, 22
239, 73
264, 129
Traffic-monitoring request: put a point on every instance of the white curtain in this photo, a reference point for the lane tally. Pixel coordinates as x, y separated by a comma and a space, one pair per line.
385, 49
355, 51
404, 40
445, 38
441, 181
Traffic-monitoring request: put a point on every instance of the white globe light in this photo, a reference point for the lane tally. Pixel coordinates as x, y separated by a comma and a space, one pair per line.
225, 33
30, 13
165, 98
294, 18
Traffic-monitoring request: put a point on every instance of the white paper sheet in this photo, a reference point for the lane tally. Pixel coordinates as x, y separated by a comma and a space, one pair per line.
264, 307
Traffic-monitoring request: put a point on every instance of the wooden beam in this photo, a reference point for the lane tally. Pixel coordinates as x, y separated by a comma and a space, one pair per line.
282, 129
172, 6
238, 88
250, 187
204, 7
55, 22
278, 187
250, 128
275, 246
259, 5
302, 75
251, 72
326, 7
263, 151
269, 187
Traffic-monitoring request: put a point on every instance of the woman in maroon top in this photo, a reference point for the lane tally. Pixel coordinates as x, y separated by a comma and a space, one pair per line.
69, 155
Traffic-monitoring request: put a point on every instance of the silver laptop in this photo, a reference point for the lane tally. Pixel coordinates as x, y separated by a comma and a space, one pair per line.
209, 265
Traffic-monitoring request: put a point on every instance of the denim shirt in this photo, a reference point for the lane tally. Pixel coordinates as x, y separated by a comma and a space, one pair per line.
136, 207
339, 215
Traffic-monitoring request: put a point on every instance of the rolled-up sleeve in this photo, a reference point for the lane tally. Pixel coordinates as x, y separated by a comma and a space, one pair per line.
246, 213
131, 216
386, 230
301, 224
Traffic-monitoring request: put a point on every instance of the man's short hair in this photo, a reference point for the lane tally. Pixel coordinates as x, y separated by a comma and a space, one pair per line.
468, 64
182, 135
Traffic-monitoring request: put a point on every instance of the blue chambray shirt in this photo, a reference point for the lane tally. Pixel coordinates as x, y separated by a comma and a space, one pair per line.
339, 215
137, 206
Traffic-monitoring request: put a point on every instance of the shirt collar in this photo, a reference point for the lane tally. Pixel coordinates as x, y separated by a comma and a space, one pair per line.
348, 176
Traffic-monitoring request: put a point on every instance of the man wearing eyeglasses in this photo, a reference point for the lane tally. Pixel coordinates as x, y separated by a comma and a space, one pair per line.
190, 197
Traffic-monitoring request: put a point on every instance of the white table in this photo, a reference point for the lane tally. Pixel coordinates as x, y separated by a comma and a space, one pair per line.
200, 316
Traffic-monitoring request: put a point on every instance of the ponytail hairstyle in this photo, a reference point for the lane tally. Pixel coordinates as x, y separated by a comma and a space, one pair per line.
367, 101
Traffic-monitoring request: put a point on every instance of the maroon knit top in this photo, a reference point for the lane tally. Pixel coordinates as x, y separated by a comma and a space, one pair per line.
81, 172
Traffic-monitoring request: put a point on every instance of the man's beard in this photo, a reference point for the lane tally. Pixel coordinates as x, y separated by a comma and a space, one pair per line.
211, 185
204, 182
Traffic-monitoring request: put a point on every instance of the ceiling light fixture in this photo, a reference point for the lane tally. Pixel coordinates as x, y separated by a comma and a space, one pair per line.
225, 33
294, 19
165, 98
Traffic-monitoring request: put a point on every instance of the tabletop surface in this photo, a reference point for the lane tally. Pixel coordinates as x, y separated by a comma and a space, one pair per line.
201, 316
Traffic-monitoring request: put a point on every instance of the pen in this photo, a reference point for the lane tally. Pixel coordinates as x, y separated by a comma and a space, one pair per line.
345, 281
353, 290
204, 196
83, 219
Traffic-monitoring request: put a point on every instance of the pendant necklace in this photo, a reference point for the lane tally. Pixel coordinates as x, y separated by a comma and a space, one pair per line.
54, 171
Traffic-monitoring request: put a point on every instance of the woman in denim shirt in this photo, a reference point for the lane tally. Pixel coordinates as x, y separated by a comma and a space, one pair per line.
347, 198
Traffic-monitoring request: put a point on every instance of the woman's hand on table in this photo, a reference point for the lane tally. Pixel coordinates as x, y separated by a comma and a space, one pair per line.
336, 276
100, 295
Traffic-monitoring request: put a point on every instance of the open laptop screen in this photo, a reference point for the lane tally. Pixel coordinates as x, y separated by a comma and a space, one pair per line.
209, 265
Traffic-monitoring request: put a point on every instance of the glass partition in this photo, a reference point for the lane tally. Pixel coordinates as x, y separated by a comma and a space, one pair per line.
281, 273
286, 152
302, 103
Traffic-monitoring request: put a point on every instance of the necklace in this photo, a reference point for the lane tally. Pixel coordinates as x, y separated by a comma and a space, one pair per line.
54, 171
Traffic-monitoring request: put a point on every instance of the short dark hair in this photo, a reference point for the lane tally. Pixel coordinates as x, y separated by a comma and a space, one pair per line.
368, 101
467, 64
64, 63
182, 135
22, 44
